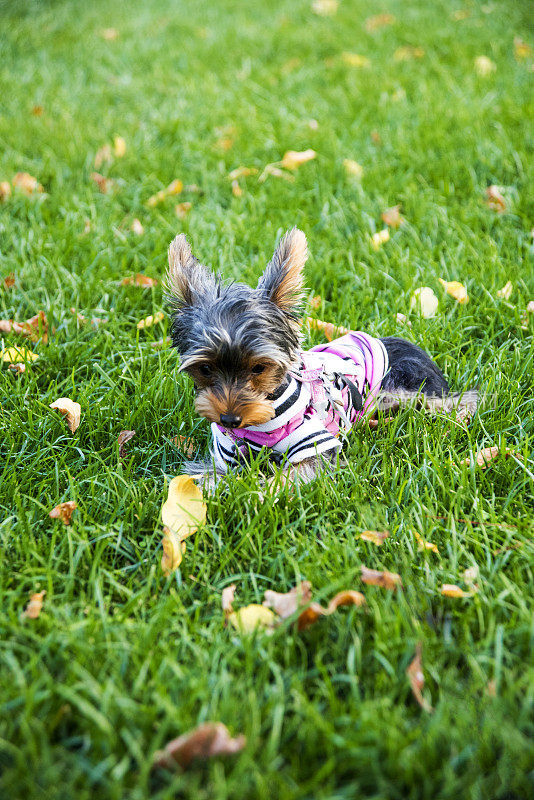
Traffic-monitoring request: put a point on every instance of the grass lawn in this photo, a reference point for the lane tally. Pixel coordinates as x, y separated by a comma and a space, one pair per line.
122, 659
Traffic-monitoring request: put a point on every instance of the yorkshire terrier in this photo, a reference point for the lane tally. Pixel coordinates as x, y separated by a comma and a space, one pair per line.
242, 348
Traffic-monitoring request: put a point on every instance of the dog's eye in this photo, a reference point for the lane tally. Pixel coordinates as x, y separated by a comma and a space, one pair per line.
205, 370
258, 369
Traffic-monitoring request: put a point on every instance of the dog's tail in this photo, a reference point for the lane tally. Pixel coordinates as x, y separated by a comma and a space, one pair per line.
462, 405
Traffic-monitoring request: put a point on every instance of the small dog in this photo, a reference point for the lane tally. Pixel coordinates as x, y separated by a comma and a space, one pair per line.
242, 348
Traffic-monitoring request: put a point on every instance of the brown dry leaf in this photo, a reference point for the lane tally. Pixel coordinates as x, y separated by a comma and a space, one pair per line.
5, 191
378, 21
375, 537
173, 188
18, 355
183, 209
109, 34
37, 111
104, 184
314, 611
488, 454
506, 292
18, 368
392, 217
103, 156
456, 290
423, 545
285, 604
139, 280
521, 48
451, 590
227, 599
35, 328
293, 159
204, 742
352, 168
152, 319
288, 603
325, 8
185, 444
417, 678
379, 238
495, 200
408, 53
251, 618
242, 172
119, 146
484, 66
123, 437
355, 60
424, 301
34, 607
9, 281
70, 409
137, 227
316, 302
385, 579
237, 191
330, 330
402, 319
64, 511
27, 183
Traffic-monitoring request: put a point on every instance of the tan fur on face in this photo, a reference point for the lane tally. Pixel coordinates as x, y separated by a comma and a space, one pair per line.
252, 409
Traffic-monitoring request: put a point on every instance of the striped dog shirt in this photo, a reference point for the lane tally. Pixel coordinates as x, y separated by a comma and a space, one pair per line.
335, 385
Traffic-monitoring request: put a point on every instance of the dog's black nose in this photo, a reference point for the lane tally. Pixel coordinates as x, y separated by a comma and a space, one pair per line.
230, 420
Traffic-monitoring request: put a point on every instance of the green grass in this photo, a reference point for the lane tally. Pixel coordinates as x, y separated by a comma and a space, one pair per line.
121, 659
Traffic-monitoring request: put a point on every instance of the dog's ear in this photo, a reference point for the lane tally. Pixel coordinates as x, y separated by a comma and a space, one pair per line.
186, 278
282, 281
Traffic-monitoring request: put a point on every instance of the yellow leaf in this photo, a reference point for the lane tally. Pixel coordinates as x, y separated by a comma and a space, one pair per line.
355, 60
173, 188
379, 238
109, 34
424, 301
293, 159
184, 509
375, 537
27, 183
484, 66
249, 618
33, 609
506, 291
242, 172
451, 590
352, 168
70, 409
18, 355
119, 146
152, 319
407, 53
325, 8
183, 209
456, 290
5, 191
173, 550
237, 191
422, 545
521, 48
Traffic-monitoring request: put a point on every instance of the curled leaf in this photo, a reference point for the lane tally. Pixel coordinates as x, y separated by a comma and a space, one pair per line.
123, 437
242, 172
392, 217
506, 292
18, 368
152, 319
288, 603
27, 184
488, 454
140, 280
375, 537
424, 301
285, 604
379, 238
34, 607
9, 281
451, 590
422, 545
249, 618
185, 444
204, 742
316, 302
18, 355
330, 330
70, 409
293, 159
456, 290
385, 579
276, 172
417, 678
64, 511
352, 168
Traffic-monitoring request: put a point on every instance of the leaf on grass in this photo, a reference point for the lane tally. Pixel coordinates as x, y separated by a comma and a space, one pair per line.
242, 172
521, 48
137, 227
392, 217
293, 159
451, 590
316, 302
109, 34
378, 21
37, 111
424, 301
151, 320
325, 8
285, 604
27, 184
495, 199
288, 603
485, 456
5, 191
227, 599
119, 146
207, 741
456, 290
484, 66
181, 514
375, 537
103, 156
64, 511
104, 184
35, 328
173, 551
139, 280
18, 368
352, 168
276, 172
70, 409
237, 191
330, 330
506, 292
9, 281
183, 209
173, 188
402, 319
315, 611
408, 53
379, 238
122, 438
249, 618
34, 607
417, 679
530, 307
423, 545
385, 579
18, 355
355, 60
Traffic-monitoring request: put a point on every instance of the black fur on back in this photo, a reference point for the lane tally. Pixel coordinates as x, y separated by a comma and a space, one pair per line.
411, 369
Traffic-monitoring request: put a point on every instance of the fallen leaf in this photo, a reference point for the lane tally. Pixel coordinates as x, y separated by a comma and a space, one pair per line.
109, 34
316, 302
37, 111
313, 125
470, 576
325, 8
9, 281
18, 355
392, 217
144, 281
227, 599
152, 319
70, 409
375, 537
488, 454
64, 511
408, 53
506, 291
27, 183
355, 60
173, 188
385, 579
103, 156
34, 607
293, 159
35, 328
378, 21
417, 678
186, 445
379, 238
375, 137
495, 199
491, 688
285, 604
123, 437
104, 184
18, 368
314, 611
402, 319
456, 290
249, 618
422, 545
276, 172
204, 742
173, 550
183, 209
184, 509
460, 14
5, 191
137, 227
242, 172
484, 66
330, 330
119, 146
451, 590
530, 307
352, 168
424, 301
521, 48
237, 191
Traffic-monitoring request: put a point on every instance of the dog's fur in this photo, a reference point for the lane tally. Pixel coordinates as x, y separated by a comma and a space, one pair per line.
239, 343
